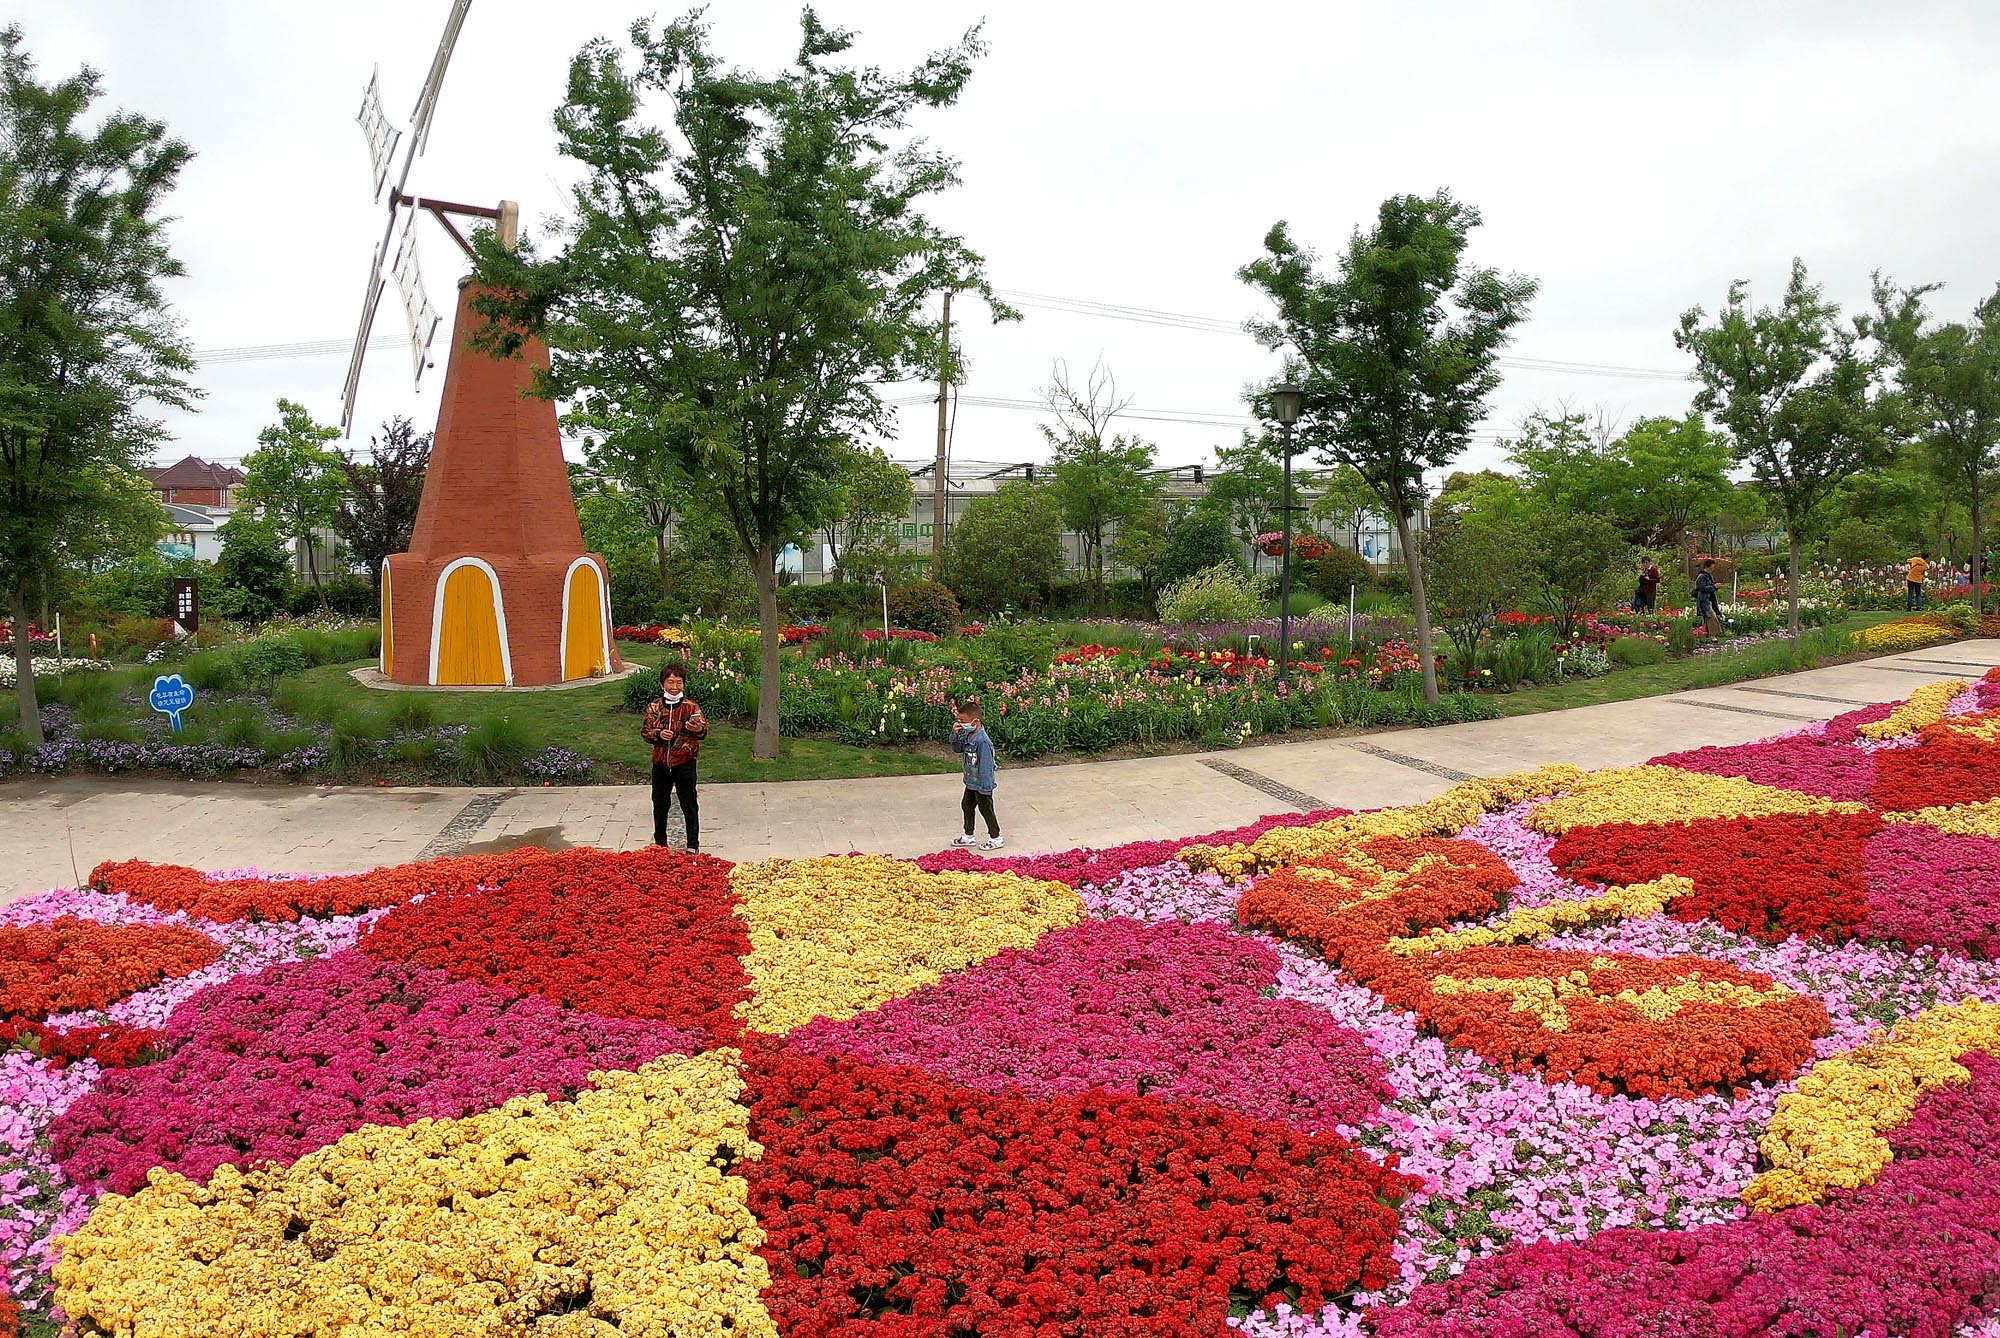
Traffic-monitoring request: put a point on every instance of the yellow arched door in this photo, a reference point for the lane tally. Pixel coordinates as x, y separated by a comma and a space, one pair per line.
583, 623
468, 647
388, 625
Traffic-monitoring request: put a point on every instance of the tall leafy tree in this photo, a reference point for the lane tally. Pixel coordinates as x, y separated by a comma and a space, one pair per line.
87, 340
1674, 476
1097, 479
875, 493
1395, 352
1344, 501
1798, 393
298, 478
1006, 549
733, 288
1563, 463
1949, 375
378, 505
1141, 543
1249, 488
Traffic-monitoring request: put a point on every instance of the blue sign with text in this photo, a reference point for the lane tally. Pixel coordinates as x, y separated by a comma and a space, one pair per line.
171, 695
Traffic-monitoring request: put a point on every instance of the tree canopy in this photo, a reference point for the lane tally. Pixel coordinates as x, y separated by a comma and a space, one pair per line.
1395, 353
733, 288
1006, 549
297, 476
378, 506
88, 343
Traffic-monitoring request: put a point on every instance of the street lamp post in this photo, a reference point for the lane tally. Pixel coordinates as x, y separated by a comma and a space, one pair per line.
1286, 401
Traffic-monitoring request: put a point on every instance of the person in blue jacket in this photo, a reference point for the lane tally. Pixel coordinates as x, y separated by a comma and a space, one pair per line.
971, 741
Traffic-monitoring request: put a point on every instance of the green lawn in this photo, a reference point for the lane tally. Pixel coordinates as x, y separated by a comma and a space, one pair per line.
588, 720
1695, 671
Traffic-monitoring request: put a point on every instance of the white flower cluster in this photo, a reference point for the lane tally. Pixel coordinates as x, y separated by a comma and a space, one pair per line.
47, 666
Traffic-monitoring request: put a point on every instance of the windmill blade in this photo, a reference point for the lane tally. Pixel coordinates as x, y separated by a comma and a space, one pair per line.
382, 136
371, 299
423, 318
420, 119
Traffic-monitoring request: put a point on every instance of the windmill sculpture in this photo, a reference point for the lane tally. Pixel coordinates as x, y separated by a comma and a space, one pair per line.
496, 589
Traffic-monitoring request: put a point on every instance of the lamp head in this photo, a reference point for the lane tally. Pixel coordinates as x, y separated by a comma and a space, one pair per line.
1286, 402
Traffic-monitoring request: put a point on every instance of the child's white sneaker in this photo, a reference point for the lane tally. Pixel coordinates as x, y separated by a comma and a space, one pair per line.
964, 842
992, 843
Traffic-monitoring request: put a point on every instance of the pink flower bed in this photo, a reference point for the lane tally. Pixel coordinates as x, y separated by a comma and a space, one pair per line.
1171, 1010
1087, 867
1933, 887
1812, 764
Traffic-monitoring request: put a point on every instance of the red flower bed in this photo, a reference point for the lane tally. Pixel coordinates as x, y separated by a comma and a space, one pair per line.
648, 934
1677, 1030
1771, 877
1942, 770
175, 887
896, 1202
1846, 727
72, 963
112, 1047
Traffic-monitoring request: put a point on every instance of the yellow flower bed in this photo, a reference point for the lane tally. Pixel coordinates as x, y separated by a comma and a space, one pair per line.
1447, 815
1925, 706
1548, 997
1903, 634
1535, 923
1827, 1134
1981, 725
838, 935
1980, 819
498, 1224
1656, 795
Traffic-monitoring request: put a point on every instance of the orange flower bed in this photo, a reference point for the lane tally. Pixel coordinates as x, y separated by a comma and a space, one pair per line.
1616, 1022
71, 963
175, 887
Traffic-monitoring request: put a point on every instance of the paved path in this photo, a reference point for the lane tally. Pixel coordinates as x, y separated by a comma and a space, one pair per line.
52, 832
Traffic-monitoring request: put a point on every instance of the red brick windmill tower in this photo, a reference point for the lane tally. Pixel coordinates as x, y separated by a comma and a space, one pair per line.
496, 588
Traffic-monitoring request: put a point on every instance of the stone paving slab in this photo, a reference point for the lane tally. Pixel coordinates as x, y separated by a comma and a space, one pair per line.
54, 831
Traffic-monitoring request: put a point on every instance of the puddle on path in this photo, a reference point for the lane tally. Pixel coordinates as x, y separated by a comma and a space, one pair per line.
541, 838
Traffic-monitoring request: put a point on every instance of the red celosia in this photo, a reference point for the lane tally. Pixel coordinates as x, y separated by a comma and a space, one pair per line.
899, 1202
649, 933
113, 1047
1793, 873
71, 963
1942, 770
175, 887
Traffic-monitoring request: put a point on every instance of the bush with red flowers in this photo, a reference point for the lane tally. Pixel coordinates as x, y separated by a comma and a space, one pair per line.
71, 963
894, 1201
1941, 770
1793, 873
113, 1047
649, 934
175, 887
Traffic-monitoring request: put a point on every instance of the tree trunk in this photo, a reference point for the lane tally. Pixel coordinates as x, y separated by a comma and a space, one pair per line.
1792, 596
660, 555
24, 666
1977, 567
1413, 564
765, 744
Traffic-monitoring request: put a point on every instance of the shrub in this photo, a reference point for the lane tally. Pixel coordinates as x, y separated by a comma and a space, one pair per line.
495, 748
213, 671
254, 576
824, 603
1632, 652
1197, 539
927, 606
1006, 550
1393, 579
1333, 574
1222, 593
260, 664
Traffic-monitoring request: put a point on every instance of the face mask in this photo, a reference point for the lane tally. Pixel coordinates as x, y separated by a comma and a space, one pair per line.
671, 698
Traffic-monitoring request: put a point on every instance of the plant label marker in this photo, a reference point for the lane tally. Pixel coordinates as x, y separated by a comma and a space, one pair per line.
171, 695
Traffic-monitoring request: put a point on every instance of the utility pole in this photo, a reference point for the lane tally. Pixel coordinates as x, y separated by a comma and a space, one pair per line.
940, 470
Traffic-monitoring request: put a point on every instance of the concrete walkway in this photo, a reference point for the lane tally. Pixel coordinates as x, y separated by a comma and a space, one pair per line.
52, 832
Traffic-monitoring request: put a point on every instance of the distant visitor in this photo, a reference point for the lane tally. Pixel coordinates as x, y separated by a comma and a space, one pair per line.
971, 741
675, 726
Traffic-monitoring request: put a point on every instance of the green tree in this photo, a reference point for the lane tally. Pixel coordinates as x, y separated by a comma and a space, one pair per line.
1140, 544
1574, 562
1860, 543
1395, 353
1949, 376
875, 493
1795, 390
1472, 569
378, 504
1006, 549
87, 340
254, 574
296, 476
1345, 501
1249, 488
1488, 496
733, 290
1674, 478
1097, 479
1904, 496
1564, 464
1197, 539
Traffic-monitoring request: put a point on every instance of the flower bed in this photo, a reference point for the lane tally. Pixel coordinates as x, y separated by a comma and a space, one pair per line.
1708, 1046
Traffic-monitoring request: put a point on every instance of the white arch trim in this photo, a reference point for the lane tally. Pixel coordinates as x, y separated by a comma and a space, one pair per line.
384, 642
603, 608
499, 615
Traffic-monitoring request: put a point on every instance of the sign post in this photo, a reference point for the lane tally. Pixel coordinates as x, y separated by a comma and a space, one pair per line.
187, 605
171, 695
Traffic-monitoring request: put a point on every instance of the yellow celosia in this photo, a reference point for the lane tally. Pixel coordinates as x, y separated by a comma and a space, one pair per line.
1827, 1134
613, 1214
1901, 635
1649, 794
1538, 922
1980, 819
1447, 815
837, 935
1547, 997
1925, 706
1981, 725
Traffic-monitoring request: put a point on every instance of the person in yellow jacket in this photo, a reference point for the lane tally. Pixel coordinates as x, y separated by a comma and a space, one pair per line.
1913, 580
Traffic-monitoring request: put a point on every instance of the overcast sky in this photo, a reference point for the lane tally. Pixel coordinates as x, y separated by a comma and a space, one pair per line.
1635, 158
